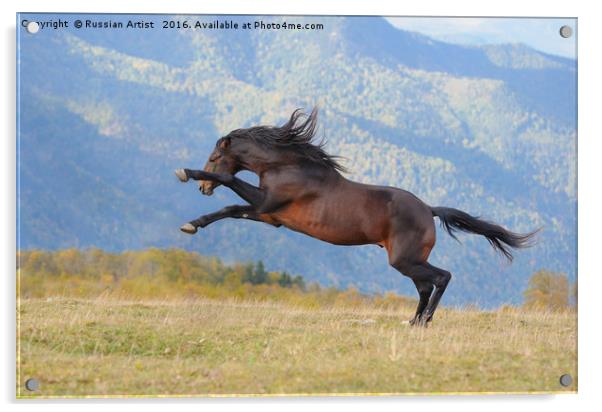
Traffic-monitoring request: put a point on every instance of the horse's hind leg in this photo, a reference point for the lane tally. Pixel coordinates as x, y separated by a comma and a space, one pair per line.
441, 283
424, 291
408, 257
426, 277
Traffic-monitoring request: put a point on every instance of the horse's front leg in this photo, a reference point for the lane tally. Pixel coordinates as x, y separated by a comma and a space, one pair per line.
234, 211
252, 194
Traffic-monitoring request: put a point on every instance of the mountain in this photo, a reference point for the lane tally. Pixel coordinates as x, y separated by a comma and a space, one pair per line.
106, 115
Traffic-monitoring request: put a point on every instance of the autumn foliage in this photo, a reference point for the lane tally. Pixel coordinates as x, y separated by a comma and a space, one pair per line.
175, 274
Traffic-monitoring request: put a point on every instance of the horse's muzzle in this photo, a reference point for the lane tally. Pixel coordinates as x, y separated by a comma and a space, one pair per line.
206, 187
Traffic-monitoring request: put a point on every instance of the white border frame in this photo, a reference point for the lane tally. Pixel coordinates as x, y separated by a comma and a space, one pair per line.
588, 189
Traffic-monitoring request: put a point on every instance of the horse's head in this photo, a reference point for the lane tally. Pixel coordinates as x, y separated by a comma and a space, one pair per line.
221, 160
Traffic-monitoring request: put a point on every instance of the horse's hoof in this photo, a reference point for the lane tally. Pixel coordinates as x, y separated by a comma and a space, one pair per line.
417, 322
188, 228
181, 175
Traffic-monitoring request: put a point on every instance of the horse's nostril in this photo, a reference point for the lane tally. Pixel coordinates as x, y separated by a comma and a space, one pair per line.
205, 190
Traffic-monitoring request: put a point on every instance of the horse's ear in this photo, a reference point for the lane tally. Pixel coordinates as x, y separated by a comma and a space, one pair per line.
224, 143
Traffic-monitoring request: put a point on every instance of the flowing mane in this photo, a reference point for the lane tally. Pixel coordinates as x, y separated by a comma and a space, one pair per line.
297, 135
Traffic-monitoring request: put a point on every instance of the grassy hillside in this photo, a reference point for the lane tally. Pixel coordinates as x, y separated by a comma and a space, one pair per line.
102, 346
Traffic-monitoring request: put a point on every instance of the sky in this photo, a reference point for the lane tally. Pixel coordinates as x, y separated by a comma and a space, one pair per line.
539, 33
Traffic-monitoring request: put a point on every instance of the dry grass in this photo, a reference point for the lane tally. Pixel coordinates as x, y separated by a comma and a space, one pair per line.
109, 347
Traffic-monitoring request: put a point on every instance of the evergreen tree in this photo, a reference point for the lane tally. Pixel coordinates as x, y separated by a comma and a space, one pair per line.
285, 280
260, 276
249, 275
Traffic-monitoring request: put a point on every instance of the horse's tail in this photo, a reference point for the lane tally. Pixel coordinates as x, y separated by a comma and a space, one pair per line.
500, 238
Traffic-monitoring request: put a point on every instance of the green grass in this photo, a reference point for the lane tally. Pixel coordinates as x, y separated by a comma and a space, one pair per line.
199, 347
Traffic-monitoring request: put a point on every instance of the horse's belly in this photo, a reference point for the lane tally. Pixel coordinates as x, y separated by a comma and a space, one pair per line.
334, 235
324, 226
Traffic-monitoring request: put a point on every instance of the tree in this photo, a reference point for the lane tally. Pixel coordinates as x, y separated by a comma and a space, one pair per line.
285, 280
298, 280
249, 275
255, 275
261, 276
547, 290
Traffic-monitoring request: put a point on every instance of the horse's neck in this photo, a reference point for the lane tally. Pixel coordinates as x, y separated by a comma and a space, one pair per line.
263, 163
269, 164
295, 172
258, 167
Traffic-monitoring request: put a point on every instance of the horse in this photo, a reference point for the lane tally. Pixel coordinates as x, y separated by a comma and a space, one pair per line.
301, 187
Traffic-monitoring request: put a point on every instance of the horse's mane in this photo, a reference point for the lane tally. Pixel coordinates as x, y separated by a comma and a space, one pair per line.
297, 135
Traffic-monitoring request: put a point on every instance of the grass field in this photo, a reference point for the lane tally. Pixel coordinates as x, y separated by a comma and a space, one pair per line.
109, 347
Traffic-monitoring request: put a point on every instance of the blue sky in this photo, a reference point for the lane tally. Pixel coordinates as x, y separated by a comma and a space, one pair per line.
539, 33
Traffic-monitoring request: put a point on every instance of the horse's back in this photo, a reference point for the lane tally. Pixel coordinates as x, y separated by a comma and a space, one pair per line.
343, 212
384, 211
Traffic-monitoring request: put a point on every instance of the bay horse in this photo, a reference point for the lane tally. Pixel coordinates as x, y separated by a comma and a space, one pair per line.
301, 188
